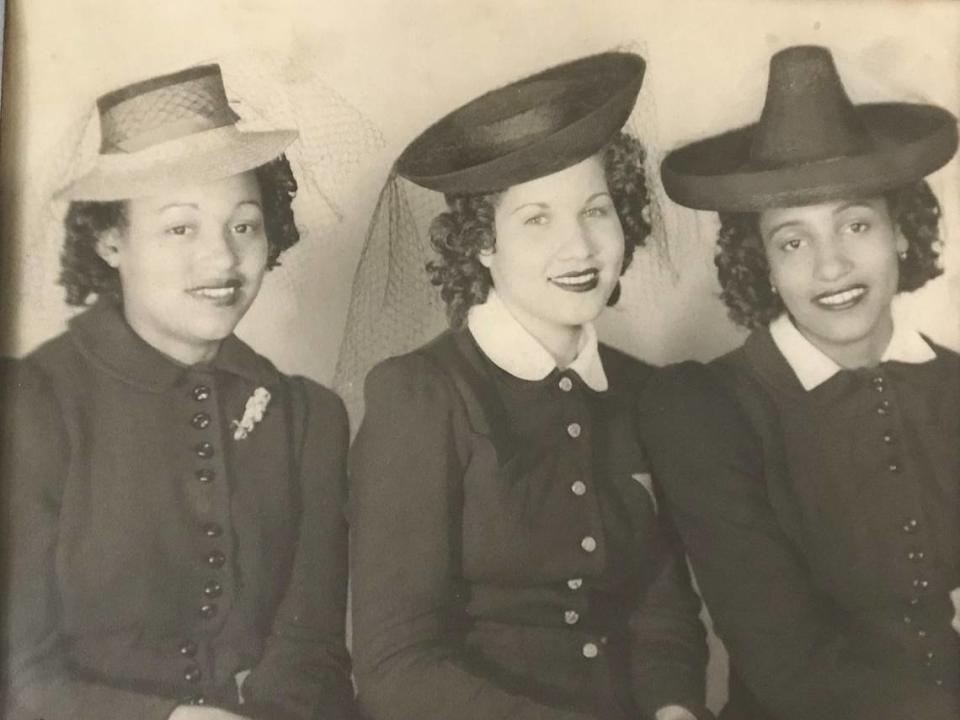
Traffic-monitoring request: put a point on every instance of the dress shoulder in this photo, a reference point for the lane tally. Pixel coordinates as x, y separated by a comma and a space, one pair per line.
624, 370
56, 358
417, 376
321, 401
684, 390
946, 358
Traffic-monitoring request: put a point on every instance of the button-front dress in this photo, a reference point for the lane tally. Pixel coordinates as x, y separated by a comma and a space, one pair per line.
509, 556
156, 553
821, 511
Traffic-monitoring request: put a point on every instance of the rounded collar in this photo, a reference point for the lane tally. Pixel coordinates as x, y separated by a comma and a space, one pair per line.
514, 350
102, 335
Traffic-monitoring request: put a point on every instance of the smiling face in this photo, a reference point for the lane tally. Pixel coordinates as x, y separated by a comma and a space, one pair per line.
558, 254
836, 269
190, 263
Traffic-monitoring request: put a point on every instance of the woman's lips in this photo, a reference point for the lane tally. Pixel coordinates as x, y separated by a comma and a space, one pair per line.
578, 281
222, 294
841, 299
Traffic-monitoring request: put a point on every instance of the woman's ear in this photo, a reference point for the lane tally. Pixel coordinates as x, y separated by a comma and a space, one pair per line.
108, 247
485, 256
903, 245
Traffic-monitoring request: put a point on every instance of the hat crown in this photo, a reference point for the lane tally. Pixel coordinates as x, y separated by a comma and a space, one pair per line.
164, 108
807, 115
527, 129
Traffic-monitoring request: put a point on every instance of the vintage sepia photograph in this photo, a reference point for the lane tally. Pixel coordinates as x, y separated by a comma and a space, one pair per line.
489, 360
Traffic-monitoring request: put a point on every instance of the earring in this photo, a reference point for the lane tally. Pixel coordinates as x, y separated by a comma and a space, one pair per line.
614, 296
902, 254
773, 288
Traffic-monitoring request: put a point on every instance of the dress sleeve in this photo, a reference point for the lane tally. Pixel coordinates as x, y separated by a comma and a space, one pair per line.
669, 650
406, 477
774, 623
35, 455
304, 672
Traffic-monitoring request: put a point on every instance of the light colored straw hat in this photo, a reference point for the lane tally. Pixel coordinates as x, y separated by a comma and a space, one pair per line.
168, 131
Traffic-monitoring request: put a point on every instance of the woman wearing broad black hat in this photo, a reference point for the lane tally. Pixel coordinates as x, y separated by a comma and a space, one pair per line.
814, 472
509, 555
174, 503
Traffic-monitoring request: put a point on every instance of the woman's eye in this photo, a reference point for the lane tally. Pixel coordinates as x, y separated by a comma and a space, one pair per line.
245, 228
539, 219
597, 211
858, 227
178, 229
792, 244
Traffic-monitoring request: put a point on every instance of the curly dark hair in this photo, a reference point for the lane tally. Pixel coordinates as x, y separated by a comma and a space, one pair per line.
84, 273
463, 232
744, 273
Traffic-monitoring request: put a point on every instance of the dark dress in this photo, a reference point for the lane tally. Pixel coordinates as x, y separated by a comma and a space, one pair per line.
823, 527
151, 555
507, 560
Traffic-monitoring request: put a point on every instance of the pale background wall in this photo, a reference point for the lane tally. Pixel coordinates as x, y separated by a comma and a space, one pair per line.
402, 64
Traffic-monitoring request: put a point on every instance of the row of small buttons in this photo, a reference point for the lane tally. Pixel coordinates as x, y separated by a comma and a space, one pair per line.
578, 488
910, 527
588, 543
215, 559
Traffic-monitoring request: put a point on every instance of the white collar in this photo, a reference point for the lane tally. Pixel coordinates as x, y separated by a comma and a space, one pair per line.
813, 367
513, 349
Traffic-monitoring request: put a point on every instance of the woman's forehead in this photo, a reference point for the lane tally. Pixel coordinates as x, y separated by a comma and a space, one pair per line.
573, 184
228, 193
819, 211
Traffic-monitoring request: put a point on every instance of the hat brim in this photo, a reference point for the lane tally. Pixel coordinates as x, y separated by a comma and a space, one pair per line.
581, 103
910, 142
192, 160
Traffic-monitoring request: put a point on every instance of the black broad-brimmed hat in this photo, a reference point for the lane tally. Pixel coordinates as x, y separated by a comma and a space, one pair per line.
810, 145
528, 129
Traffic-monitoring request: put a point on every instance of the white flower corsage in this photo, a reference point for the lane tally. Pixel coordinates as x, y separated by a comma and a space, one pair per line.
252, 414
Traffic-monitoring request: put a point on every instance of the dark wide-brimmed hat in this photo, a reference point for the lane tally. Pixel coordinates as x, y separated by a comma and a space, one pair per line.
528, 129
170, 131
810, 145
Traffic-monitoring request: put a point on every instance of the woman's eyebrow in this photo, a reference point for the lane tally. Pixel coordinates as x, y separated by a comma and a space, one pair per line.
854, 204
541, 205
178, 204
785, 225
602, 193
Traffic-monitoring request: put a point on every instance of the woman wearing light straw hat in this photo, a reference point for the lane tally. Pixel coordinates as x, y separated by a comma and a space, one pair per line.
814, 471
510, 558
175, 504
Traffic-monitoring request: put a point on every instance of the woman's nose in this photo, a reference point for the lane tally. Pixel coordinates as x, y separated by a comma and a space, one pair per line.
832, 261
578, 242
219, 250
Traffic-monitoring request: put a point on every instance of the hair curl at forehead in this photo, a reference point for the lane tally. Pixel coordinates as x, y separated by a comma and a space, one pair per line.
744, 272
84, 274
467, 229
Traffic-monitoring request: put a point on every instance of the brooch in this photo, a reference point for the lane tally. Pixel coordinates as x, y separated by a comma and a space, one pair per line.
252, 413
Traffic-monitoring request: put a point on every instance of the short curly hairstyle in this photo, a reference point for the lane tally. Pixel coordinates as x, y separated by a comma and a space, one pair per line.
85, 274
744, 273
460, 234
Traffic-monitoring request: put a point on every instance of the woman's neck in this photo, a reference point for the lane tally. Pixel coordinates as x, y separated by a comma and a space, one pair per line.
562, 342
180, 350
866, 351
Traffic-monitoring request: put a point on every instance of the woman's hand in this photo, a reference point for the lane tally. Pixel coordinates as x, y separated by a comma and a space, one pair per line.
197, 712
955, 596
674, 712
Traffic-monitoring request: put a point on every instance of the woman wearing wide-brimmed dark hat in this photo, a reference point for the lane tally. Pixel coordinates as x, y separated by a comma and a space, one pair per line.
174, 504
510, 557
814, 472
